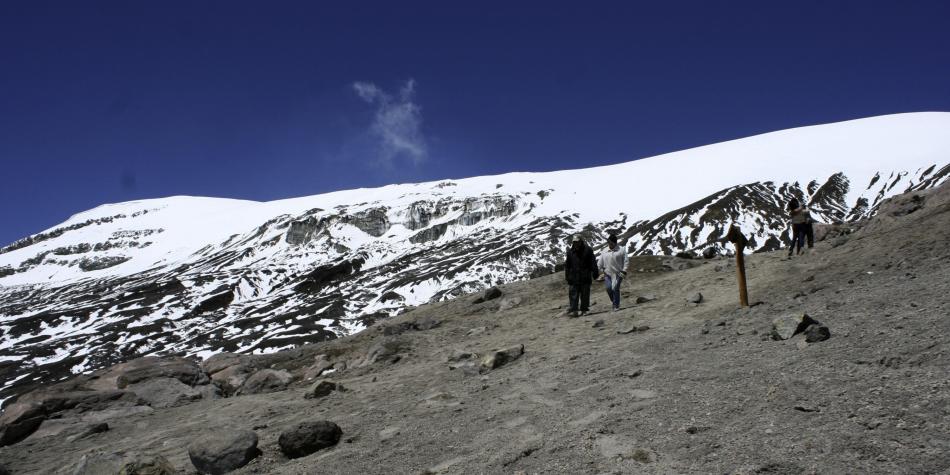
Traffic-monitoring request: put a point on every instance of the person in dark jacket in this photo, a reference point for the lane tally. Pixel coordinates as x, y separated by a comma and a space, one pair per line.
798, 219
580, 270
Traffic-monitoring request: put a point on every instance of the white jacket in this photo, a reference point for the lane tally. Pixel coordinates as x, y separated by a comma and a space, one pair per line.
613, 263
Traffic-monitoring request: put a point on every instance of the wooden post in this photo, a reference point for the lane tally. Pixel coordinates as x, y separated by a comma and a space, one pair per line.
739, 241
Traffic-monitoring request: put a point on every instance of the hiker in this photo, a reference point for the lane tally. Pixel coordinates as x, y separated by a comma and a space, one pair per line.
809, 229
612, 263
798, 216
580, 269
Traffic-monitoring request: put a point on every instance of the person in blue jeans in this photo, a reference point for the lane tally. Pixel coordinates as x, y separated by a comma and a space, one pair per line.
612, 264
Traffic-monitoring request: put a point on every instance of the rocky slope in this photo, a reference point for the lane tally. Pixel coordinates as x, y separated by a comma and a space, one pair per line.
197, 276
663, 386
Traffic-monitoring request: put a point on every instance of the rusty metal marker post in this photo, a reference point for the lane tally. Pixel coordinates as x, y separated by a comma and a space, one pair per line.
735, 236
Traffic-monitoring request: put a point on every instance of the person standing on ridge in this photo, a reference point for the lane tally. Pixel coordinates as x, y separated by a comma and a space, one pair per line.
612, 263
580, 269
799, 219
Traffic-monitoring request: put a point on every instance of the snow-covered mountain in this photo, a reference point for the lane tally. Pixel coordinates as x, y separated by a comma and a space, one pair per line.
195, 275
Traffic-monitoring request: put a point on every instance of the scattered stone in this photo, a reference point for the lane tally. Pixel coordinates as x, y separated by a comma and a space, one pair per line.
509, 303
221, 361
339, 366
710, 253
686, 255
805, 408
308, 437
630, 328
499, 358
786, 326
646, 298
476, 331
697, 429
598, 324
461, 355
746, 330
323, 389
695, 298
265, 381
633, 374
388, 433
98, 463
223, 451
808, 279
816, 332
642, 456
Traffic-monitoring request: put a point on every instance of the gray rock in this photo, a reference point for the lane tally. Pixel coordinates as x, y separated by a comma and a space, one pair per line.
499, 358
19, 420
150, 367
105, 463
223, 451
816, 332
646, 298
509, 303
232, 378
222, 361
787, 326
266, 381
630, 328
165, 392
490, 294
695, 297
460, 355
91, 429
597, 324
322, 389
385, 349
710, 253
315, 370
308, 437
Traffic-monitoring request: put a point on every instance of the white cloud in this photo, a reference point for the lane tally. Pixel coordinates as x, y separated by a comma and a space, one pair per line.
397, 123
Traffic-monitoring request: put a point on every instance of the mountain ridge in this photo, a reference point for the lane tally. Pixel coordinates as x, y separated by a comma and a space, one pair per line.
192, 275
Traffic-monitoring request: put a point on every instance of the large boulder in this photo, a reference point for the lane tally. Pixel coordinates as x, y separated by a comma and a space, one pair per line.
223, 451
222, 361
498, 358
231, 378
787, 326
150, 367
266, 381
19, 420
308, 437
165, 392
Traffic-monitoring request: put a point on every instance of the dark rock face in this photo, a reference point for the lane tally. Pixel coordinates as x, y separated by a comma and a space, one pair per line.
308, 437
328, 274
374, 222
223, 451
19, 420
429, 234
97, 263
816, 332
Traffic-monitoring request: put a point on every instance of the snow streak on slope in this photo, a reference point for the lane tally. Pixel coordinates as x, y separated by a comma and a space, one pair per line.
200, 275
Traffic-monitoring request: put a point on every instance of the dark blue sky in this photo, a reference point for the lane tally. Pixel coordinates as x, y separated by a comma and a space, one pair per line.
113, 101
